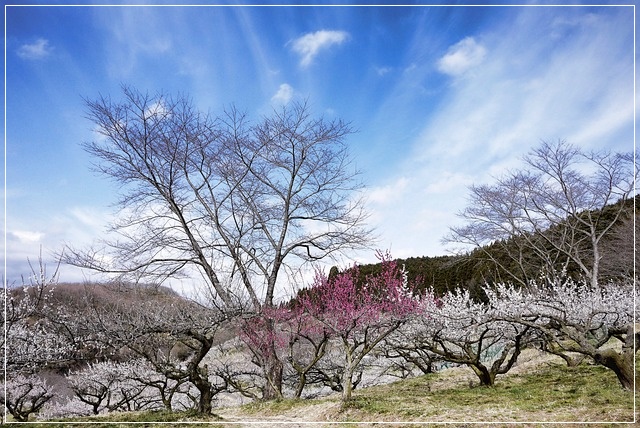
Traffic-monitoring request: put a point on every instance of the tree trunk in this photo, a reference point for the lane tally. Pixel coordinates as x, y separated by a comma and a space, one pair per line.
487, 378
347, 377
273, 367
200, 379
620, 363
166, 402
347, 385
302, 381
204, 403
273, 371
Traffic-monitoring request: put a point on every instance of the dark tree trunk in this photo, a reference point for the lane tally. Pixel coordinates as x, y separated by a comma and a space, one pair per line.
166, 402
272, 368
487, 377
204, 403
620, 363
302, 382
273, 371
200, 379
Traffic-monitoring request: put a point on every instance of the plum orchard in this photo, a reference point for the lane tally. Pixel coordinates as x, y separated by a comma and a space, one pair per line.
323, 338
31, 344
566, 318
456, 329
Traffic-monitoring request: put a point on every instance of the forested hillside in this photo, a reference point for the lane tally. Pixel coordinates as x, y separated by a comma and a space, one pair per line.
474, 269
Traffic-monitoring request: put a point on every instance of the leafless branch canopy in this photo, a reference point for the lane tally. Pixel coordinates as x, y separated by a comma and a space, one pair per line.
199, 189
553, 207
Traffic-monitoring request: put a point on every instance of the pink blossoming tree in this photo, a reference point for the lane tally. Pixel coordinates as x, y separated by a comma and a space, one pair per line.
360, 317
263, 338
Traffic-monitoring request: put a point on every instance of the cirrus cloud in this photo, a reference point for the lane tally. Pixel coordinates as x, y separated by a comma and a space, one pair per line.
309, 45
25, 236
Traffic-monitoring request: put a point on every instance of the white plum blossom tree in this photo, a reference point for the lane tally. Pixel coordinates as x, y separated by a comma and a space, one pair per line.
30, 343
66, 408
576, 317
457, 329
172, 334
25, 395
105, 386
161, 383
120, 386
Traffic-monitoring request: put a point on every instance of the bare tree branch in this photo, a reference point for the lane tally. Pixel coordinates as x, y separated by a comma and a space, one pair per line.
550, 215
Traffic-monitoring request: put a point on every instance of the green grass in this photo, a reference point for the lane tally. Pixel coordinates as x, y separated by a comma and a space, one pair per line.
553, 393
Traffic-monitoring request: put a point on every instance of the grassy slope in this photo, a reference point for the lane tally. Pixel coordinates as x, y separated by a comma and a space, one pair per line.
545, 392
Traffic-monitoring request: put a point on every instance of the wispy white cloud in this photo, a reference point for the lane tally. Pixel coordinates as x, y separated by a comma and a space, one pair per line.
580, 90
24, 236
447, 182
309, 45
193, 66
78, 226
384, 195
462, 56
39, 49
135, 33
283, 95
90, 218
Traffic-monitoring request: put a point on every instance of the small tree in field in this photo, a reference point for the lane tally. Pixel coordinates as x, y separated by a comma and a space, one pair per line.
307, 344
360, 317
162, 378
459, 330
262, 336
301, 342
576, 317
30, 343
26, 394
107, 386
153, 326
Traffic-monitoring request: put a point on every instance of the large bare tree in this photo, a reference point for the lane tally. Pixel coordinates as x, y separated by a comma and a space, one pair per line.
549, 216
233, 201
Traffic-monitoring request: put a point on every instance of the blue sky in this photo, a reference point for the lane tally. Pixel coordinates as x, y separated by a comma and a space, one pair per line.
442, 97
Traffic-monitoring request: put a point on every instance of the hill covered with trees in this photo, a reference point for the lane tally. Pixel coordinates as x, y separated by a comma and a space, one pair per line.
493, 264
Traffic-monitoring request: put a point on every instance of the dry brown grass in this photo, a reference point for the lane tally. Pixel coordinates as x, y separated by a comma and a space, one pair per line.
541, 391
